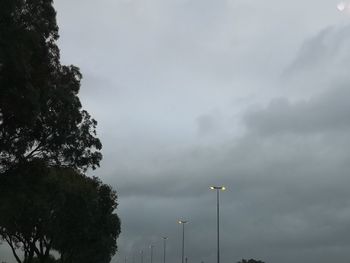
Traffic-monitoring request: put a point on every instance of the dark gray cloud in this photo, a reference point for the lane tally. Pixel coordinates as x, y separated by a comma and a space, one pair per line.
324, 54
321, 63
287, 180
329, 111
287, 195
209, 123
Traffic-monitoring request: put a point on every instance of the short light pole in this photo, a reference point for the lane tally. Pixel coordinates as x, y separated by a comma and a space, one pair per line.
164, 248
141, 253
151, 247
183, 222
218, 189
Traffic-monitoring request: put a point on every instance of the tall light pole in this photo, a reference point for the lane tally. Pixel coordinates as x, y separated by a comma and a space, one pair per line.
183, 222
164, 248
151, 247
141, 253
218, 189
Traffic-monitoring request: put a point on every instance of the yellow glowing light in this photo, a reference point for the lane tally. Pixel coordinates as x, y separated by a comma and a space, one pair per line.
222, 188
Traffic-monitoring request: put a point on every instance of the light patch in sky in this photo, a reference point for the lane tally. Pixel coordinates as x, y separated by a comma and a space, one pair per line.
344, 7
341, 6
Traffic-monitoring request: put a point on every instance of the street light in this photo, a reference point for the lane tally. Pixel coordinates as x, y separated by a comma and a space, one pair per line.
218, 189
141, 253
164, 247
183, 222
151, 247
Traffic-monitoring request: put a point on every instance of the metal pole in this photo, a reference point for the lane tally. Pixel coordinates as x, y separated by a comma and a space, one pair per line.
141, 256
183, 222
151, 253
164, 248
183, 242
218, 220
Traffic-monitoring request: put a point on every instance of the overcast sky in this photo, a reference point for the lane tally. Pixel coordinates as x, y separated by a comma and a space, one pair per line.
253, 95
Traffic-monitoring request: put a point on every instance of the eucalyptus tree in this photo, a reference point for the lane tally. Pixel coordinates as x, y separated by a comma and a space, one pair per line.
47, 142
40, 112
46, 209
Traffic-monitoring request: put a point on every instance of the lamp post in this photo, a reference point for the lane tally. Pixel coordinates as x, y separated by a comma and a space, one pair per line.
164, 248
151, 247
218, 189
183, 222
141, 253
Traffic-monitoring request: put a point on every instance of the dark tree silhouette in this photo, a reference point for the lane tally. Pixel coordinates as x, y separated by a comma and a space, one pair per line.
47, 141
44, 209
40, 113
49, 260
250, 261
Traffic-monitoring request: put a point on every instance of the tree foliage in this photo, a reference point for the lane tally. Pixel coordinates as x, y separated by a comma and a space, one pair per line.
47, 141
40, 113
46, 209
250, 261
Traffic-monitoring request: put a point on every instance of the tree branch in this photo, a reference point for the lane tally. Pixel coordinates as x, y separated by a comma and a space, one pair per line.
33, 151
9, 241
